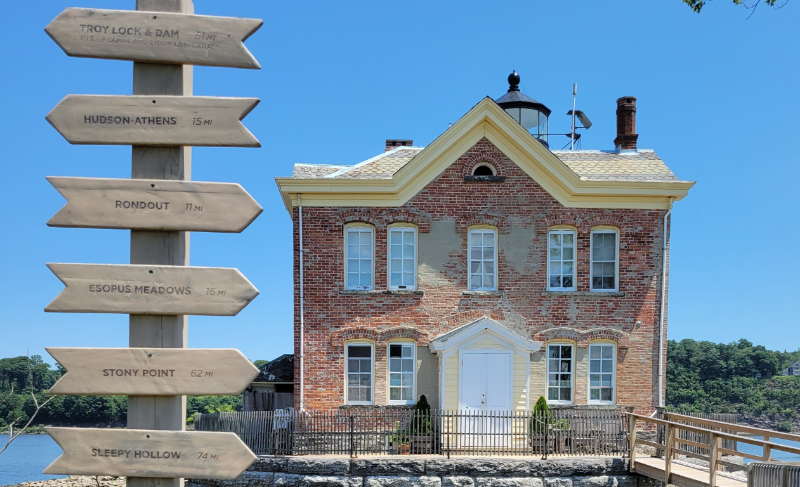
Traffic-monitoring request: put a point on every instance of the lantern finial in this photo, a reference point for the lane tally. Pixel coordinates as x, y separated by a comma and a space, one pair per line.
513, 81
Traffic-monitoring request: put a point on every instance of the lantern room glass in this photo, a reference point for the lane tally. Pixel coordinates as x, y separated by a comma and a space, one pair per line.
531, 120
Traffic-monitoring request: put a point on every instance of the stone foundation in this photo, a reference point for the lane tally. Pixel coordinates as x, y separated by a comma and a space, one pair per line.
330, 471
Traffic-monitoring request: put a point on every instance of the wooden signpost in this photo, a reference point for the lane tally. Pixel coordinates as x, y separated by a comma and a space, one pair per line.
146, 453
152, 204
155, 37
152, 371
159, 205
151, 290
154, 120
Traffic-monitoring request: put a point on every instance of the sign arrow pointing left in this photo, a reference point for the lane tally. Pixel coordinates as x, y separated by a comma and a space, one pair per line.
149, 453
151, 289
154, 120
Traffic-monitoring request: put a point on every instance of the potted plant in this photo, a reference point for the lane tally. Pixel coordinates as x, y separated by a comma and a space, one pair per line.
421, 431
398, 440
542, 425
538, 425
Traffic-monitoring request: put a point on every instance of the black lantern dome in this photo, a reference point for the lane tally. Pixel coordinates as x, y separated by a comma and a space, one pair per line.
528, 112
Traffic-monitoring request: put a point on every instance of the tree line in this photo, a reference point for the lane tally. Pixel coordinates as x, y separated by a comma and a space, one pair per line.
738, 377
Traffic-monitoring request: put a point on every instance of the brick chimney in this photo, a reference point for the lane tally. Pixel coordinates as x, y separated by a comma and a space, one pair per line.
395, 143
626, 123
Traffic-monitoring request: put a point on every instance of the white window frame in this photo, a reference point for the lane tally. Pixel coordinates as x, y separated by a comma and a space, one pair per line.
574, 259
389, 372
482, 230
360, 227
347, 372
404, 228
613, 373
616, 260
572, 373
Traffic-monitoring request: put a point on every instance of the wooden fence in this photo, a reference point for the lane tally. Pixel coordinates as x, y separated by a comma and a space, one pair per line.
402, 431
267, 401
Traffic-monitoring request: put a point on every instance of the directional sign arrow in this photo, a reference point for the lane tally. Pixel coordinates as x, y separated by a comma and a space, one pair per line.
151, 289
149, 453
155, 37
154, 120
152, 371
145, 204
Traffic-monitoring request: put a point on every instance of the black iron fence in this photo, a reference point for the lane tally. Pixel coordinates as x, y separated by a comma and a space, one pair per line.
388, 431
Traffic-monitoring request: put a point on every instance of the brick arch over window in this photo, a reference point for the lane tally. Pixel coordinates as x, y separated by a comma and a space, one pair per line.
358, 215
408, 332
544, 222
584, 337
584, 223
467, 220
380, 337
338, 337
421, 220
493, 158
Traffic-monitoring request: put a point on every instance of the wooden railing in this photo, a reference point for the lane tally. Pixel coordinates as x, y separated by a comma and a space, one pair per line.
711, 430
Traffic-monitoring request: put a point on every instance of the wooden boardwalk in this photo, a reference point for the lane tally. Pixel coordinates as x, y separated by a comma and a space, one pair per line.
683, 474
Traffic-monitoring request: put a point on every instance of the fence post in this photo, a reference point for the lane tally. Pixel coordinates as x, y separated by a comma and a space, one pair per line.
715, 443
352, 443
767, 450
632, 447
669, 433
546, 437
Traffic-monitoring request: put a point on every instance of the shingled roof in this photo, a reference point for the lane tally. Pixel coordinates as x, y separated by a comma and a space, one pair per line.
589, 165
279, 370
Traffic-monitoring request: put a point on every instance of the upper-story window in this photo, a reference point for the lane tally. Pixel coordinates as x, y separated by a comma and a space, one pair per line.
561, 263
601, 373
402, 257
401, 373
482, 259
605, 258
359, 262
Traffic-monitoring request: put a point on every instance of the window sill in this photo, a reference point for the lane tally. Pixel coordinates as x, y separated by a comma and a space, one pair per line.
484, 179
488, 294
586, 294
383, 292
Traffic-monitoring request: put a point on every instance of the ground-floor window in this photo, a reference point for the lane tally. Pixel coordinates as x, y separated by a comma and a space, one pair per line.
601, 373
559, 373
359, 373
401, 373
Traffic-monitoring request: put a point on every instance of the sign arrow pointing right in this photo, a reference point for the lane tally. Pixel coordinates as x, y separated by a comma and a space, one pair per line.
153, 204
152, 371
155, 37
149, 453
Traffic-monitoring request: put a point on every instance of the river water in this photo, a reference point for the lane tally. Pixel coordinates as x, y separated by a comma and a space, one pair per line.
30, 454
25, 459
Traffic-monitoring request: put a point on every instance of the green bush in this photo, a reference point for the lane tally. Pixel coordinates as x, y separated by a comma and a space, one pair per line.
785, 426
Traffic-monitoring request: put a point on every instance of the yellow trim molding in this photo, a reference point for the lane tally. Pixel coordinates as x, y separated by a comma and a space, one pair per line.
488, 120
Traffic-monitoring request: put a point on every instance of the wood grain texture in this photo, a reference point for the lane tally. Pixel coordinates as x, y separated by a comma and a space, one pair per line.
151, 289
155, 37
149, 453
151, 204
152, 371
154, 120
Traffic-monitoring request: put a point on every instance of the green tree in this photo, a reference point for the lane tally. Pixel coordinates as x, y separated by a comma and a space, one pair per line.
260, 363
697, 5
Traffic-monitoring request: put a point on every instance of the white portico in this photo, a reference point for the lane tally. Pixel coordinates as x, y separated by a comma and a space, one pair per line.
484, 366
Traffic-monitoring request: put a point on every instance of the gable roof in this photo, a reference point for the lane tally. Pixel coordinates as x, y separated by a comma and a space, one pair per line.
279, 370
577, 179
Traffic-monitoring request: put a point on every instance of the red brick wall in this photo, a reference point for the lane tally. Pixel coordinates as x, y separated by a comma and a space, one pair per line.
331, 318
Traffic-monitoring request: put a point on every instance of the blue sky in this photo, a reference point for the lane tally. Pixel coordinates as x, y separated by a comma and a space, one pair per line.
718, 101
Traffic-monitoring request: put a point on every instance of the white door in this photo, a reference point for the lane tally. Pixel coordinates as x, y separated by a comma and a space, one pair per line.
485, 391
